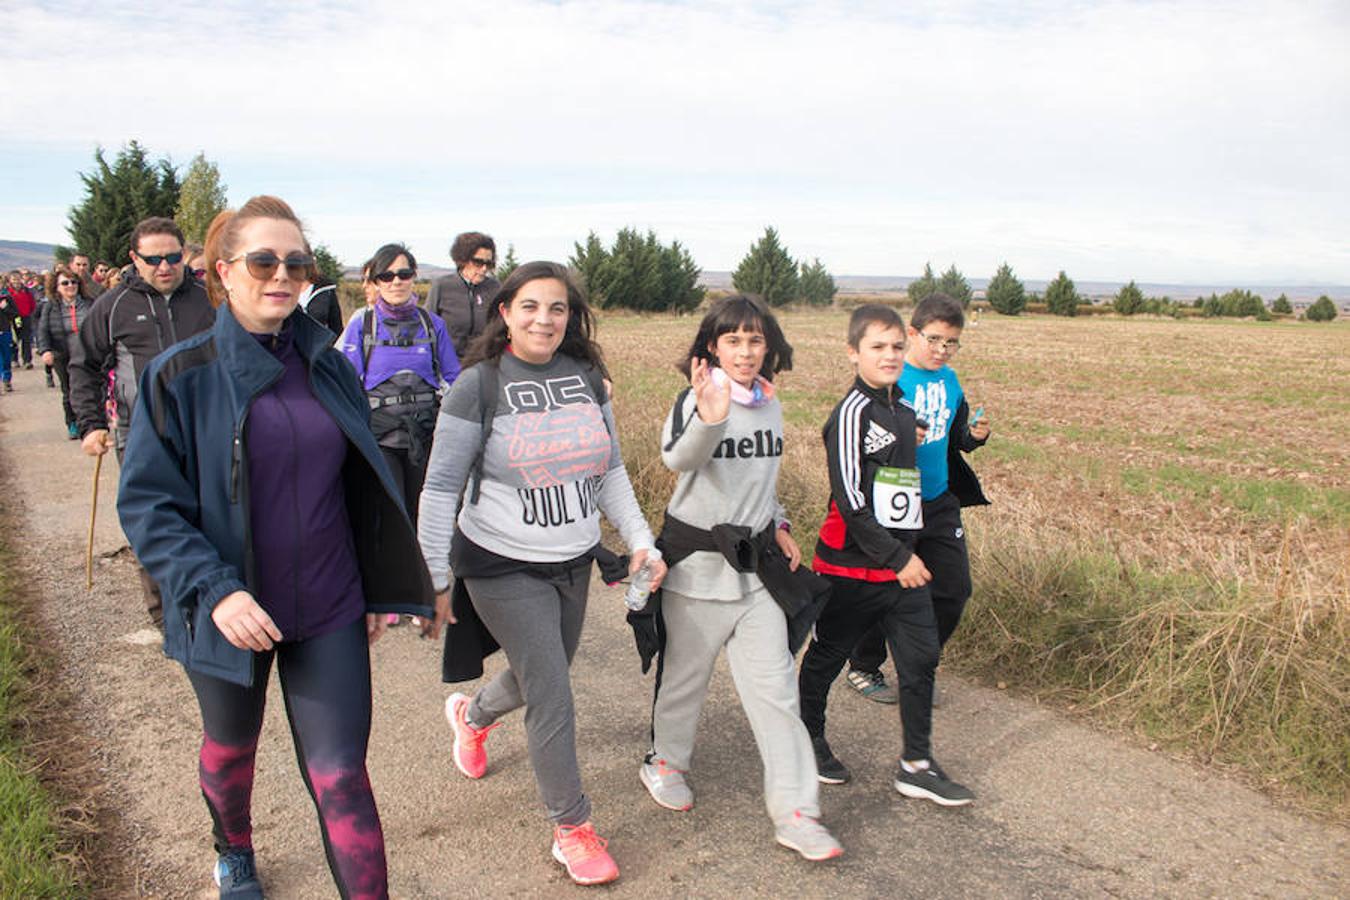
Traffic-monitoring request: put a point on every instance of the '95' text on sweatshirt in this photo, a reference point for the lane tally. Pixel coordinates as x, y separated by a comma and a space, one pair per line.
551, 467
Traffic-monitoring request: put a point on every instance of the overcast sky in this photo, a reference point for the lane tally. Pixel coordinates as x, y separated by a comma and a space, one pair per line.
1163, 141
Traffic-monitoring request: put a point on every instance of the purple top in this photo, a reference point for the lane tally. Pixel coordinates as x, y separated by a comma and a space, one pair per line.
303, 552
387, 361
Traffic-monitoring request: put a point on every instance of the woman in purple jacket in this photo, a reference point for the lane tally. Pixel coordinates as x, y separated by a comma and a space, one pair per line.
406, 361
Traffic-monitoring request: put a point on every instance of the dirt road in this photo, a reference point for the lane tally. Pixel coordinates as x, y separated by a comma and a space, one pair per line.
1063, 810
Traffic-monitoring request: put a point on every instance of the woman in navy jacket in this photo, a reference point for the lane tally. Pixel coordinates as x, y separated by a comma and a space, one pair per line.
256, 496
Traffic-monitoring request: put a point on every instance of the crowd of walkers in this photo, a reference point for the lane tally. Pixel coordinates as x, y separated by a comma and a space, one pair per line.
293, 484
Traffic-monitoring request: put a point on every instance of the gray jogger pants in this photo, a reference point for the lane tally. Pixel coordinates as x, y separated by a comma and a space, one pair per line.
754, 633
538, 624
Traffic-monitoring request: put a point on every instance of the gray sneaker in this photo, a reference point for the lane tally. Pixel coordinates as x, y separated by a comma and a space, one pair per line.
666, 785
808, 837
873, 686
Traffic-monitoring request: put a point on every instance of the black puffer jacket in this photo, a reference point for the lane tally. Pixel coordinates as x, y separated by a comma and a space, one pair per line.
59, 326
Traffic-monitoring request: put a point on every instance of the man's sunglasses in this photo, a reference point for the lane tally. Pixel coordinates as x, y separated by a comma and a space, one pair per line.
262, 264
172, 259
401, 274
485, 263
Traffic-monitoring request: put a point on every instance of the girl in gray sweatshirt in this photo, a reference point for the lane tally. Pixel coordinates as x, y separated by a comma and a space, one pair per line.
725, 439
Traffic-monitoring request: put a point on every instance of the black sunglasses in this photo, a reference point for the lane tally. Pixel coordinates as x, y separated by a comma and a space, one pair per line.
401, 274
485, 263
172, 259
262, 264
64, 283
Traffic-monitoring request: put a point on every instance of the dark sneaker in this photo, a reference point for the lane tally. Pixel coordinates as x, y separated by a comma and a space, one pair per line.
873, 686
932, 784
237, 877
829, 770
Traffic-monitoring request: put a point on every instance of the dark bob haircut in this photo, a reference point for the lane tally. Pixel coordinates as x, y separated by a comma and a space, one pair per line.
740, 311
385, 256
578, 340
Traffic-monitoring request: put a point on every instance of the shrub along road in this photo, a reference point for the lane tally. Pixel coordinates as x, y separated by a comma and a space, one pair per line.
1063, 809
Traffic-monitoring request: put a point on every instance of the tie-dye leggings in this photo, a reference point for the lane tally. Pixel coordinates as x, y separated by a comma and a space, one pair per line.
325, 682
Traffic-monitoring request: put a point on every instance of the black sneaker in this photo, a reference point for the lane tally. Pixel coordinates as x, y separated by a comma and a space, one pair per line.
932, 784
828, 768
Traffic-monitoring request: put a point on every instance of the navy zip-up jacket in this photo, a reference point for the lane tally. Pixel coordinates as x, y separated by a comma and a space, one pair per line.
184, 499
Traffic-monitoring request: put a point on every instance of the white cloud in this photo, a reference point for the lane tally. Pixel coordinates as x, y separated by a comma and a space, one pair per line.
1125, 137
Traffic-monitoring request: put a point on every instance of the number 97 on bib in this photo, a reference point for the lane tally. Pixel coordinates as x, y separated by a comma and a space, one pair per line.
897, 500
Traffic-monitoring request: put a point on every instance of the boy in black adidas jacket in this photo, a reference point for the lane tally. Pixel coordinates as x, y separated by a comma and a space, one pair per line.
866, 550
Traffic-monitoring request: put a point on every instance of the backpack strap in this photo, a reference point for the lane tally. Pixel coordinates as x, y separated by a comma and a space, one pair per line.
489, 381
367, 341
677, 422
431, 336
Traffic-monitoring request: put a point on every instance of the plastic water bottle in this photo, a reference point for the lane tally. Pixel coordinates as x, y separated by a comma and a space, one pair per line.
640, 586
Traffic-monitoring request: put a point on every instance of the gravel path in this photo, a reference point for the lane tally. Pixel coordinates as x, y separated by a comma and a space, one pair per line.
1063, 809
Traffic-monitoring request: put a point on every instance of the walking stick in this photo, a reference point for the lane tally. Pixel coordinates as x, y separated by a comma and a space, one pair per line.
93, 513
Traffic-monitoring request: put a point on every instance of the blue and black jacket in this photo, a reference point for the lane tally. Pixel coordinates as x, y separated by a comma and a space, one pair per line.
184, 495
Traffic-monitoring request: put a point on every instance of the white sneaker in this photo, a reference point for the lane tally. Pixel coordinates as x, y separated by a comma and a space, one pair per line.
808, 837
666, 785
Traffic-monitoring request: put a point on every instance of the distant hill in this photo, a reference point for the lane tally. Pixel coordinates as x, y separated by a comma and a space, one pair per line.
25, 254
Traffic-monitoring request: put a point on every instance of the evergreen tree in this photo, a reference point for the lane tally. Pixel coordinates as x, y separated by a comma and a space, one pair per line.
1061, 296
1005, 293
508, 263
200, 199
1211, 308
1282, 306
638, 272
586, 262
1323, 310
768, 270
954, 285
923, 286
328, 265
1130, 300
816, 284
679, 274
116, 198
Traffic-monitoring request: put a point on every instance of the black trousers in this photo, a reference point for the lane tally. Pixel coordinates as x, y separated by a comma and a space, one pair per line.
942, 547
61, 365
407, 477
905, 617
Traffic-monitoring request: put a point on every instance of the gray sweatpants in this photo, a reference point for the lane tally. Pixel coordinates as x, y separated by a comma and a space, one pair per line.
538, 624
755, 634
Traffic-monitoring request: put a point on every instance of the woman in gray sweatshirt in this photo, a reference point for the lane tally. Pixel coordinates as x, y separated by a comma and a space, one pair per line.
522, 542
725, 439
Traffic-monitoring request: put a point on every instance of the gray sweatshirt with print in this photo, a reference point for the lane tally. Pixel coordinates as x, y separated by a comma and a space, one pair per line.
551, 467
728, 475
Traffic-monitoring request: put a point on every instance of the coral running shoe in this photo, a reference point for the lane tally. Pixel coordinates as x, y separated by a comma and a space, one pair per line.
583, 853
469, 755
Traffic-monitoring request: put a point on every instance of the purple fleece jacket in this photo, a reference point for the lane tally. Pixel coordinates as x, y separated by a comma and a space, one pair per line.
303, 552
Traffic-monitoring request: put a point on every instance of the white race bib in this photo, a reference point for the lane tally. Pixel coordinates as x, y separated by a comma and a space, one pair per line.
897, 499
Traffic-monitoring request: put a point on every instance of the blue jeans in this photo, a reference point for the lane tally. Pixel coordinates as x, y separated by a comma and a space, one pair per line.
6, 356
